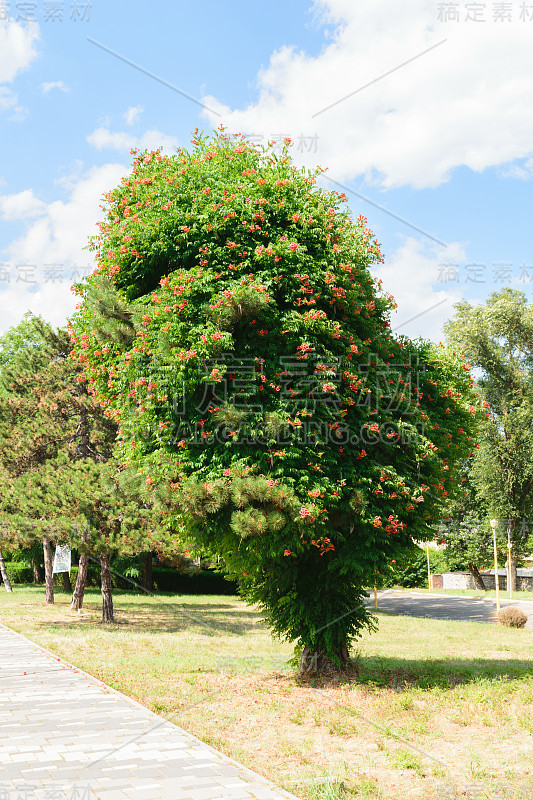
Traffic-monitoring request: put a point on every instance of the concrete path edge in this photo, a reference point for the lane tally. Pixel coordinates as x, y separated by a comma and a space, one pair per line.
253, 776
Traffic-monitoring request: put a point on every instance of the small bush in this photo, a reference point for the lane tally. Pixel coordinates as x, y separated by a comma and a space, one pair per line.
512, 617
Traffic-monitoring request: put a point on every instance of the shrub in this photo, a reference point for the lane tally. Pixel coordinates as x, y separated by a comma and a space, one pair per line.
165, 579
411, 569
204, 582
19, 572
512, 617
129, 567
93, 576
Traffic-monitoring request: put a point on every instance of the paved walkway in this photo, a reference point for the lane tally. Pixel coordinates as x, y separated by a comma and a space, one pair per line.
67, 736
442, 606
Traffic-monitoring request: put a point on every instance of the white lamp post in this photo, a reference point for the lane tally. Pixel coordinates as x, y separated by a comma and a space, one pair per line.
494, 525
509, 577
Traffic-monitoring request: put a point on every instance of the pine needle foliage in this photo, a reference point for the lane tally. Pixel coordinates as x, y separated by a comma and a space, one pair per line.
59, 477
44, 408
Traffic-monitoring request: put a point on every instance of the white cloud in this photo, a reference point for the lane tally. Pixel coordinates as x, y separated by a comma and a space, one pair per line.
522, 172
17, 49
466, 102
70, 174
410, 275
53, 301
40, 265
103, 138
8, 99
21, 206
47, 87
132, 114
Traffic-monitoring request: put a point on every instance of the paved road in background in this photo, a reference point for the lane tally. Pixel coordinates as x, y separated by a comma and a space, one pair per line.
67, 736
439, 606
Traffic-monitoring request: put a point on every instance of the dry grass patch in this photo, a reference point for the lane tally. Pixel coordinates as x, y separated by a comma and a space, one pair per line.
512, 617
439, 709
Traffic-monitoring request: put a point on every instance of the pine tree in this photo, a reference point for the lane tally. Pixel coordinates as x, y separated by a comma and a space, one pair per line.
44, 411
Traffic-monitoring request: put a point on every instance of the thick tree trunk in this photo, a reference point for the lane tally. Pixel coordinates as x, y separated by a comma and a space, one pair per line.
107, 589
3, 572
478, 579
67, 586
81, 582
48, 570
316, 662
147, 571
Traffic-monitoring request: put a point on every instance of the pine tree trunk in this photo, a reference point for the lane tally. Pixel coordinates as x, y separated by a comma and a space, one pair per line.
3, 572
317, 662
48, 570
147, 571
478, 579
107, 589
81, 582
67, 586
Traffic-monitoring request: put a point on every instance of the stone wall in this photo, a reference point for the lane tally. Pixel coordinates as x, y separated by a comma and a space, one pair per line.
464, 580
457, 580
524, 583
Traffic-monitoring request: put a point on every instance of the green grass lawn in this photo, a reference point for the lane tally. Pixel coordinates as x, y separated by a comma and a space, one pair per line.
439, 709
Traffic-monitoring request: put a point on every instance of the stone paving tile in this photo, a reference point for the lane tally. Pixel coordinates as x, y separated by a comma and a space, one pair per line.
67, 736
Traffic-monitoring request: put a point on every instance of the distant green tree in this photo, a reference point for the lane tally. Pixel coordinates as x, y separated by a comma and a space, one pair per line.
497, 340
24, 337
466, 533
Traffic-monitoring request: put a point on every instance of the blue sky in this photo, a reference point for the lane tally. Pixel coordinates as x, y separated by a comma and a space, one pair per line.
436, 128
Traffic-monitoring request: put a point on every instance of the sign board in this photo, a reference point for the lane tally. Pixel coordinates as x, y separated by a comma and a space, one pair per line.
62, 558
